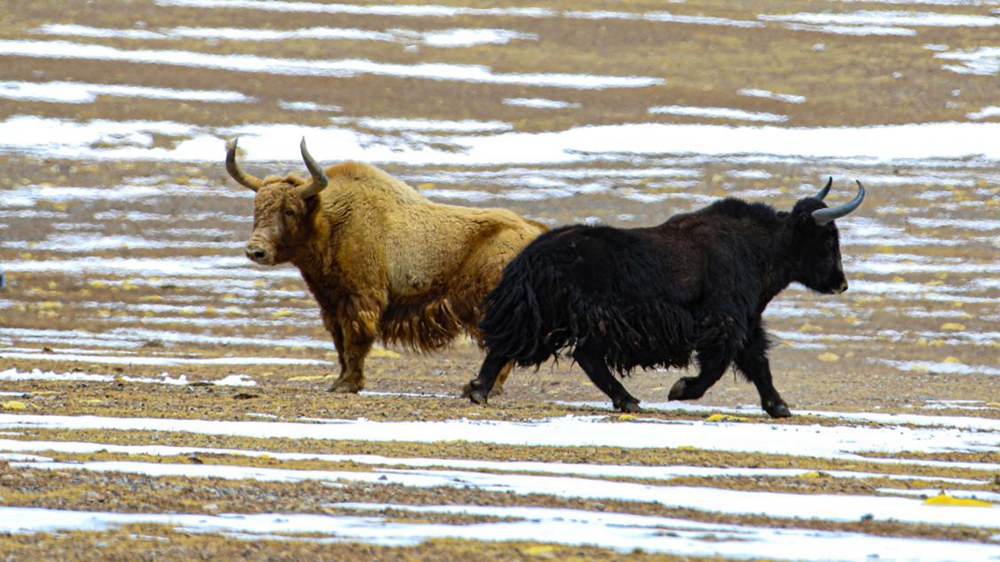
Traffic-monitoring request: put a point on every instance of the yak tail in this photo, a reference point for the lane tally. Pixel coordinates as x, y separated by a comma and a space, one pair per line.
513, 324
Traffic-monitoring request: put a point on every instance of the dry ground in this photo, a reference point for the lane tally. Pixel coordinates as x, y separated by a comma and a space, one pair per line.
885, 351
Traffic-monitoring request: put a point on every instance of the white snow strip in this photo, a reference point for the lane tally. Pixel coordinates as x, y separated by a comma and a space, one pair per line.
159, 361
79, 92
985, 112
414, 10
437, 38
887, 18
984, 61
663, 17
964, 494
164, 378
103, 140
432, 125
767, 94
717, 113
844, 508
620, 532
573, 431
540, 103
206, 267
342, 68
859, 30
95, 242
554, 468
940, 367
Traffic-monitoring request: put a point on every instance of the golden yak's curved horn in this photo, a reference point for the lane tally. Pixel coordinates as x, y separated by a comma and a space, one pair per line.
319, 179
243, 178
823, 216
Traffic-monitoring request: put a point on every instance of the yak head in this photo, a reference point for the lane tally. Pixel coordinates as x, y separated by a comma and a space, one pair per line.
282, 209
815, 248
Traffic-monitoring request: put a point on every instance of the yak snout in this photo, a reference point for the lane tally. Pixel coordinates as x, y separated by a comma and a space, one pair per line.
259, 253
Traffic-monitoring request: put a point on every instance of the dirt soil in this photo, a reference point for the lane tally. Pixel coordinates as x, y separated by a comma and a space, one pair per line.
867, 351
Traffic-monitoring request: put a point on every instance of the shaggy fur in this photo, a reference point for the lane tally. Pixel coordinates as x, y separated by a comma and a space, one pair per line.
696, 285
383, 262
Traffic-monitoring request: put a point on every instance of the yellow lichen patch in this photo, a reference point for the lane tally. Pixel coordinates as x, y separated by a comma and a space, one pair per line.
14, 405
308, 378
946, 500
813, 475
952, 326
952, 359
828, 357
626, 417
284, 313
382, 353
726, 418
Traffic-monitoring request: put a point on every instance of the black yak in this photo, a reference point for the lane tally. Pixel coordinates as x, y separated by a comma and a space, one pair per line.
646, 297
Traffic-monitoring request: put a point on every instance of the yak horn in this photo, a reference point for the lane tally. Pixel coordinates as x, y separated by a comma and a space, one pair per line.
822, 193
824, 216
319, 179
243, 178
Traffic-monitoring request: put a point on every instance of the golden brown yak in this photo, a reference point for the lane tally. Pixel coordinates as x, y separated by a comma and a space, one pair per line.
383, 262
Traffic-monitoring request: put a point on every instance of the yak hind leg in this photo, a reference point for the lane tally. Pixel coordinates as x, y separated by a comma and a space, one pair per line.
591, 360
752, 362
500, 379
494, 367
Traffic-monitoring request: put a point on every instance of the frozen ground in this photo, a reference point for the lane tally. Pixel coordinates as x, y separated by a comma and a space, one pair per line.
161, 396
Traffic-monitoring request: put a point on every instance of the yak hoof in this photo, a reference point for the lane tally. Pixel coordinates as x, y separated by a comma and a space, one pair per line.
343, 386
478, 397
778, 410
677, 391
468, 388
629, 406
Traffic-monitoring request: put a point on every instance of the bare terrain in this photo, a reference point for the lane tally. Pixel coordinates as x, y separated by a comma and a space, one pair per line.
148, 369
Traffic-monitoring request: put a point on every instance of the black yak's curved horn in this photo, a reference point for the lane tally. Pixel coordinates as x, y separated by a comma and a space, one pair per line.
319, 179
824, 216
822, 193
243, 178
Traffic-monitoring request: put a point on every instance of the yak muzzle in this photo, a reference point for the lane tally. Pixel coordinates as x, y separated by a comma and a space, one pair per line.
259, 254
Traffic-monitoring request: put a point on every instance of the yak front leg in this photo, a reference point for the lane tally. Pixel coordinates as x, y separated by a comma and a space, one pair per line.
752, 362
499, 379
719, 338
354, 331
713, 364
494, 366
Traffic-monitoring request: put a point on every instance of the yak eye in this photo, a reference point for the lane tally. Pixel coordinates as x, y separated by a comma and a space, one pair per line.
830, 243
289, 213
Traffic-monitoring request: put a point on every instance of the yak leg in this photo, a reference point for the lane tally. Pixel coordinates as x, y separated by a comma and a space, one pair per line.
353, 335
720, 337
499, 380
592, 362
352, 374
752, 362
713, 365
494, 366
